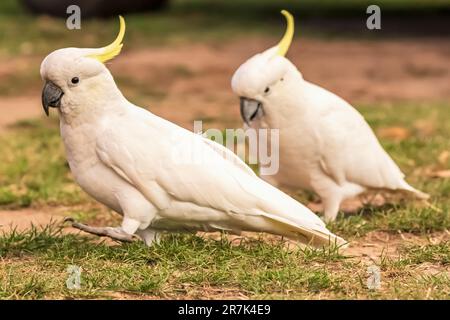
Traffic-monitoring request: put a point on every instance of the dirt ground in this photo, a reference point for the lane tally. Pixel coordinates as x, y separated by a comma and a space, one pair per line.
184, 83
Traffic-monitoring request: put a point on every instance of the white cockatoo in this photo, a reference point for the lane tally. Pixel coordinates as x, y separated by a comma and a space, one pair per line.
325, 145
140, 165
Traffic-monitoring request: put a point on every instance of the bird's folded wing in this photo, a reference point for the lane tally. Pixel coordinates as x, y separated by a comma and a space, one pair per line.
187, 170
156, 165
229, 155
351, 152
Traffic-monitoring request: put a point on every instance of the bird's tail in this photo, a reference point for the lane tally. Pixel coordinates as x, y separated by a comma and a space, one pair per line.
414, 192
285, 216
316, 236
420, 195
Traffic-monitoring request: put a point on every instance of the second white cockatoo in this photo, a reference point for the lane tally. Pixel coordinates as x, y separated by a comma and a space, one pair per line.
325, 145
144, 167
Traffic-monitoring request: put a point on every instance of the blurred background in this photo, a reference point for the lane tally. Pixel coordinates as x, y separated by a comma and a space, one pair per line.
181, 54
178, 59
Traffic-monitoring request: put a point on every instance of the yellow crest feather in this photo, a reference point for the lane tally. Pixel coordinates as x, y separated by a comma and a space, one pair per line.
112, 50
284, 44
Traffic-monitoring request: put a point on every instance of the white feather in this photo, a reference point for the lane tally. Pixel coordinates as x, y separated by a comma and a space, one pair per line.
134, 162
325, 144
221, 194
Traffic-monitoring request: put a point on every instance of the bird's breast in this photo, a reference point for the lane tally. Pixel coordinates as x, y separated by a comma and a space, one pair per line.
297, 159
89, 172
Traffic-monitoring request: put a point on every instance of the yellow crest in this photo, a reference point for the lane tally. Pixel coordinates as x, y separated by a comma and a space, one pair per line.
284, 44
110, 51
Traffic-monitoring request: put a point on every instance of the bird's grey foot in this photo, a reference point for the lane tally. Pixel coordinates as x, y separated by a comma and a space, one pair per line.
113, 233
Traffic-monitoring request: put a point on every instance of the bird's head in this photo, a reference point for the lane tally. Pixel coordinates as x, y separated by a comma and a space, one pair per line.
77, 77
266, 78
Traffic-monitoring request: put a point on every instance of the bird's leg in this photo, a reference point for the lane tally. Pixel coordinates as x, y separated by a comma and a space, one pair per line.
149, 236
331, 207
114, 233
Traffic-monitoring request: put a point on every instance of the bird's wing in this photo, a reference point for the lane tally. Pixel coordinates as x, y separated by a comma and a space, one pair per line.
170, 164
351, 152
229, 155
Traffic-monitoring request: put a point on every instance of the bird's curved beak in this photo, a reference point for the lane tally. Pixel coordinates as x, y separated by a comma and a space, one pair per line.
250, 110
51, 96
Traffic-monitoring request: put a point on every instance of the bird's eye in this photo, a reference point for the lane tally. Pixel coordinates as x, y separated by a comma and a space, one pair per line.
75, 80
267, 90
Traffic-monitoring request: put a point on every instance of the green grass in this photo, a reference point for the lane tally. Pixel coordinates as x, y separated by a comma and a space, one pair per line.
33, 169
432, 253
190, 266
170, 268
396, 219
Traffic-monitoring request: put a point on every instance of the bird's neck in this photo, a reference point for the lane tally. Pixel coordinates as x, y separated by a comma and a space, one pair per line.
284, 108
93, 109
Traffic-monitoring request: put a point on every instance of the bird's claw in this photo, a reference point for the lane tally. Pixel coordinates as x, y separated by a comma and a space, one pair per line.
110, 232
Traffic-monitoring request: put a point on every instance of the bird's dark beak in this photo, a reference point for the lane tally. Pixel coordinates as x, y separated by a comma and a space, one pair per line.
250, 110
51, 96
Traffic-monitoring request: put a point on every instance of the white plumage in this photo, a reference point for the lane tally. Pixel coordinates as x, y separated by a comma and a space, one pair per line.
135, 163
325, 144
